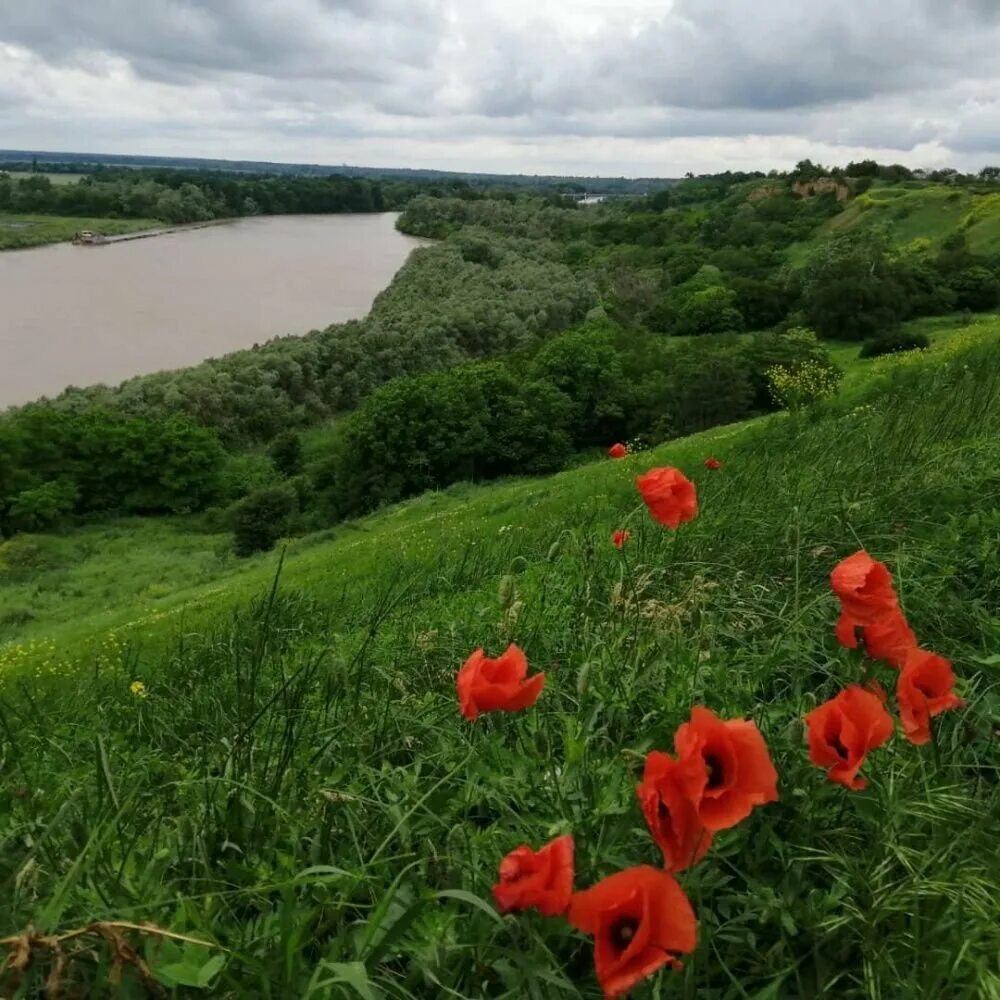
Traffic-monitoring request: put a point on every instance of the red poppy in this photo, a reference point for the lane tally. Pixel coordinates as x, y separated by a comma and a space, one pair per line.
670, 815
864, 587
619, 538
618, 450
669, 495
499, 685
543, 879
842, 730
713, 463
924, 690
725, 767
888, 639
640, 920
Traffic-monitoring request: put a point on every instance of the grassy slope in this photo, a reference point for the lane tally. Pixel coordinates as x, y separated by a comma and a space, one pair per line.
299, 785
932, 212
78, 588
18, 231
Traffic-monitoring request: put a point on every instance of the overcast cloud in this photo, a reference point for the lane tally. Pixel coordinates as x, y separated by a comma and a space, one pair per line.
637, 87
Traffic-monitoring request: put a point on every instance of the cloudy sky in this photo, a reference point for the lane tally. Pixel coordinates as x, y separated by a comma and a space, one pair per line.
634, 87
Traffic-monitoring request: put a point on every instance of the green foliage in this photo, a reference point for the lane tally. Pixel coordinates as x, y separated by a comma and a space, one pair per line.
263, 517
299, 787
427, 431
849, 290
586, 366
976, 288
788, 349
43, 507
807, 382
893, 343
246, 473
59, 461
285, 451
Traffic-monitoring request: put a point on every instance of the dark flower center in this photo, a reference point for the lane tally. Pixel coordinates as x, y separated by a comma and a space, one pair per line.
622, 932
716, 777
838, 747
662, 812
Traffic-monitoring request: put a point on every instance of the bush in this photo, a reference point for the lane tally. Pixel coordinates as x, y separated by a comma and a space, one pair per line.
892, 343
789, 349
262, 518
242, 475
808, 382
46, 506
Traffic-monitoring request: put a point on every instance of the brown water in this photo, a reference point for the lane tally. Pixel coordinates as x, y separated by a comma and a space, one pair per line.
79, 315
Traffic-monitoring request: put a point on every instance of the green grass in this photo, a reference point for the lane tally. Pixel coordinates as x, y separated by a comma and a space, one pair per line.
80, 588
19, 231
299, 787
931, 212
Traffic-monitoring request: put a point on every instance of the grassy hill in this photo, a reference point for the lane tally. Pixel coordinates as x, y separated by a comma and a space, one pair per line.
298, 787
917, 211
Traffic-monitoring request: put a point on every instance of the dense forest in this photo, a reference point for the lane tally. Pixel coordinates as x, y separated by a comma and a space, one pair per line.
532, 328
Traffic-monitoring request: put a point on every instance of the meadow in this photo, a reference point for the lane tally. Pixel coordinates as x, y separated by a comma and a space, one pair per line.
265, 758
18, 231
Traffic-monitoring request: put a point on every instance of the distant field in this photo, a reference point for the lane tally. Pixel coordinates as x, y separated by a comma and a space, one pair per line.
19, 231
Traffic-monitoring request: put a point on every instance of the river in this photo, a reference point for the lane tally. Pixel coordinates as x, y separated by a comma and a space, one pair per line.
72, 315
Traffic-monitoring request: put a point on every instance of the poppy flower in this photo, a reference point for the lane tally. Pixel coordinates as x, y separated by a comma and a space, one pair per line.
619, 538
669, 495
864, 587
888, 638
842, 730
725, 767
924, 690
670, 815
499, 685
542, 879
713, 463
640, 920
618, 450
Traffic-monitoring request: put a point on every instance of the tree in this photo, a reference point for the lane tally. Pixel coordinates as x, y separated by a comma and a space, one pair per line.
586, 366
262, 518
990, 174
849, 290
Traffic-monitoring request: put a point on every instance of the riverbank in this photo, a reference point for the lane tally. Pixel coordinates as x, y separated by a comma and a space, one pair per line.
146, 234
18, 232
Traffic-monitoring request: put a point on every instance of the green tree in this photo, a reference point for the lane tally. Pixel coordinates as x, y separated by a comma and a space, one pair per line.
261, 518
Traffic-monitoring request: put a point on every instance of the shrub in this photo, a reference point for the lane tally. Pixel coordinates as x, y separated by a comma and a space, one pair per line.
46, 506
976, 288
242, 475
795, 387
894, 342
788, 349
262, 518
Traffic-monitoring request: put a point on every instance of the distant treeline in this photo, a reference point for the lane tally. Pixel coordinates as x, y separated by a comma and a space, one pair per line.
21, 160
178, 196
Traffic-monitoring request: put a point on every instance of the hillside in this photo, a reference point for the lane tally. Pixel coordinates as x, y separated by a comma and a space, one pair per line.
917, 211
295, 783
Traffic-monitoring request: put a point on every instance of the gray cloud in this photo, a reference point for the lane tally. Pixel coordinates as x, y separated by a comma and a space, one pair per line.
506, 80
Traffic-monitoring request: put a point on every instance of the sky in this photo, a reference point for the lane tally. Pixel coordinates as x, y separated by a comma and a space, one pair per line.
634, 88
